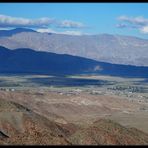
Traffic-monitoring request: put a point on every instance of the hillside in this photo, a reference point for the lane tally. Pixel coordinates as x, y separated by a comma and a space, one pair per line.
116, 49
26, 60
19, 125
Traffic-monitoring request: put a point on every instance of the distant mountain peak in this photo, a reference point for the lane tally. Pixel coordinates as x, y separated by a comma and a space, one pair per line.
7, 33
23, 30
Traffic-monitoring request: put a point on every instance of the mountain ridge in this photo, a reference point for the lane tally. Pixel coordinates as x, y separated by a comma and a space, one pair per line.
7, 33
116, 49
25, 60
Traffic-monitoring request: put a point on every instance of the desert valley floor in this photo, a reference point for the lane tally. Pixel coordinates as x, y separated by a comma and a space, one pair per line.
78, 100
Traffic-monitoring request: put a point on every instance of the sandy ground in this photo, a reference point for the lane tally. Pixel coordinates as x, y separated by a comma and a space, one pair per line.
137, 119
82, 107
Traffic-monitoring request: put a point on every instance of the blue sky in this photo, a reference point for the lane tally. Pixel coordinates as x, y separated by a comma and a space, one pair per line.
78, 18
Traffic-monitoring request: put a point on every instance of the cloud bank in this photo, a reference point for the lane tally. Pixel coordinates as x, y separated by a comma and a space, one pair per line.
62, 32
8, 21
70, 24
144, 29
45, 22
138, 22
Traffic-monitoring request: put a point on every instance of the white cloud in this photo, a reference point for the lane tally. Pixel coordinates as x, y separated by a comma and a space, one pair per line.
68, 32
140, 20
8, 21
45, 22
144, 29
72, 33
70, 24
98, 68
48, 30
121, 25
140, 23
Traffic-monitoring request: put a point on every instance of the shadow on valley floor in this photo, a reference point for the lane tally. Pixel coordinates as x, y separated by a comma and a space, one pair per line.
69, 82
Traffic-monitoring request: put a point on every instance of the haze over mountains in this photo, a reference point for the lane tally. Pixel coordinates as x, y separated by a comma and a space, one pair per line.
115, 49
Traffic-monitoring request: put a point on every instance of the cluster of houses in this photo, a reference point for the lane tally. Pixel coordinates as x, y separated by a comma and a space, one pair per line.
7, 89
68, 93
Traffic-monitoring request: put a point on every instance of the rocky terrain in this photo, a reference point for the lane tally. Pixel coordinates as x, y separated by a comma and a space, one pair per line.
21, 126
101, 47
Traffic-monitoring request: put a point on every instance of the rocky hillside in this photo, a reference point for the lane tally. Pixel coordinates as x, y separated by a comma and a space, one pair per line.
115, 49
20, 126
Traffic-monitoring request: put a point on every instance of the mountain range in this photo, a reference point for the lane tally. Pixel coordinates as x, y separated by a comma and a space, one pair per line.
115, 49
25, 60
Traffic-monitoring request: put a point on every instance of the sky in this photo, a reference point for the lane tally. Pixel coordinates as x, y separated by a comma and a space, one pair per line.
77, 18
